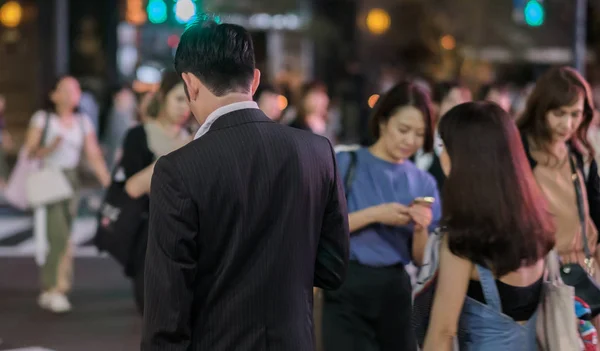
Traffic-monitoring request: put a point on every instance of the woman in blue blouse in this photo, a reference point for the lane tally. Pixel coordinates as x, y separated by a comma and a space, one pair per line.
372, 310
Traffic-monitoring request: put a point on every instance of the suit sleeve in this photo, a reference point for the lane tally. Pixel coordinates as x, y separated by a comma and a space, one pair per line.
334, 241
171, 262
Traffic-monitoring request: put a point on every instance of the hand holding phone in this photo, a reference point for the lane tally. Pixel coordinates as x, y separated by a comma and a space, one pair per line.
423, 201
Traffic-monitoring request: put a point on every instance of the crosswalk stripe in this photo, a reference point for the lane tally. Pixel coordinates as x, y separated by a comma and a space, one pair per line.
17, 238
82, 251
11, 226
16, 228
84, 230
31, 349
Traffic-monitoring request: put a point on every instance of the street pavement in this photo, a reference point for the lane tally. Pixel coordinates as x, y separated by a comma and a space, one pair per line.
104, 315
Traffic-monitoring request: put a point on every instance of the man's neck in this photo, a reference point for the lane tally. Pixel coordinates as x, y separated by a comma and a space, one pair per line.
231, 99
224, 101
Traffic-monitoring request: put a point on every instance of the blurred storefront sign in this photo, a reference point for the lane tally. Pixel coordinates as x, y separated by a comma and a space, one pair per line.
280, 42
535, 55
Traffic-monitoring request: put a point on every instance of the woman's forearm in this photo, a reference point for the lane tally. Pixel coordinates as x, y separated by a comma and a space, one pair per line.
442, 341
139, 183
360, 219
100, 170
420, 237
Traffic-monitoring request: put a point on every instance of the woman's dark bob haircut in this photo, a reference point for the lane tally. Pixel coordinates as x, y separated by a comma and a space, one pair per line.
558, 87
401, 95
493, 210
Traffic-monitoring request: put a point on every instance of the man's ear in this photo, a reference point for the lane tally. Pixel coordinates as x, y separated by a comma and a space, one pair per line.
255, 81
190, 83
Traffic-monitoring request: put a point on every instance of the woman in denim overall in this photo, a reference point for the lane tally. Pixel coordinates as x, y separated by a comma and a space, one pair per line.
497, 231
485, 327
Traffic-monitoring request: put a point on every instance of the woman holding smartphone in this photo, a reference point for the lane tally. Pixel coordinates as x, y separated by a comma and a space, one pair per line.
392, 205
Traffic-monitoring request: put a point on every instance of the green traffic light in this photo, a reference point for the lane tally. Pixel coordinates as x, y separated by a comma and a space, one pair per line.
157, 11
534, 13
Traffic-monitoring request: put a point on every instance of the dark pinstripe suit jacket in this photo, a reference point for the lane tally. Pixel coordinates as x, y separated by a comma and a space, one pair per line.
243, 222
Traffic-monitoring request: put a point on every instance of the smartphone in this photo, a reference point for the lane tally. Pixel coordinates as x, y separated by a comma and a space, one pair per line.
424, 201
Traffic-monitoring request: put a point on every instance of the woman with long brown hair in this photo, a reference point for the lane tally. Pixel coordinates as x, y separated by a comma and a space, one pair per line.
497, 232
554, 129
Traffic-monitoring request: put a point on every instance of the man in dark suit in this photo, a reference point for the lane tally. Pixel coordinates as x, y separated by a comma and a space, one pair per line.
244, 220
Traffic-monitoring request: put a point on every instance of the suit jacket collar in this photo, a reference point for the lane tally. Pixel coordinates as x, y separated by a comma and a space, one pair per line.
239, 117
223, 111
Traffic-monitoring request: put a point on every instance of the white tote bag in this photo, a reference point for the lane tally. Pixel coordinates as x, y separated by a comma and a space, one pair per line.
47, 186
16, 189
557, 322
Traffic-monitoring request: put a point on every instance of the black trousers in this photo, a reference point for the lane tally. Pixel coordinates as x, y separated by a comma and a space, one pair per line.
370, 312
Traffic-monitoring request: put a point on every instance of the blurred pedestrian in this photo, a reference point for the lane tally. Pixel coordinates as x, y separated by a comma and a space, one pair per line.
142, 146
445, 96
58, 136
6, 144
312, 109
497, 93
267, 98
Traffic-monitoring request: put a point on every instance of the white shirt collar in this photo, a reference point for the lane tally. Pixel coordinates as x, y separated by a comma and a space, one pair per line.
223, 110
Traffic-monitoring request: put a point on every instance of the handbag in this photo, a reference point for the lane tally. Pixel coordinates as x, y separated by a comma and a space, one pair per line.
424, 289
15, 192
556, 326
119, 220
573, 274
121, 217
47, 185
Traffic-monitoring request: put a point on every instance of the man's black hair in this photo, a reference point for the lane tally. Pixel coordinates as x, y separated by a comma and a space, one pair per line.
220, 55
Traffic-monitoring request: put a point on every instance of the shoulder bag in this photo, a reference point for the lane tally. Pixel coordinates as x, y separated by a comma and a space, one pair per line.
573, 274
556, 326
47, 185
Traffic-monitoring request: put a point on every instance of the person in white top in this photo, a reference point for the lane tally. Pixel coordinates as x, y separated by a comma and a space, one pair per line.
445, 96
59, 136
142, 146
166, 132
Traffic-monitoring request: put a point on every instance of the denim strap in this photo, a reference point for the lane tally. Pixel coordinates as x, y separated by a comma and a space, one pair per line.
490, 290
